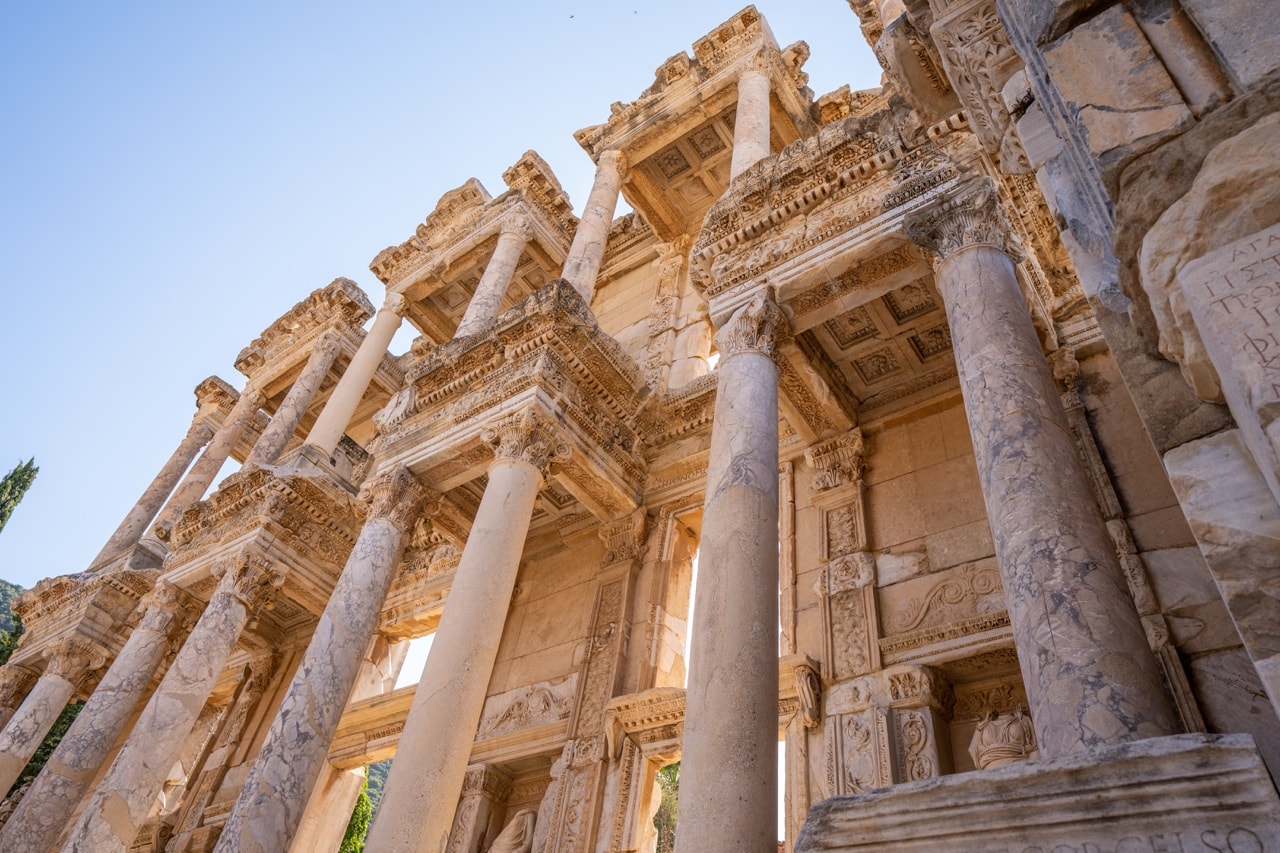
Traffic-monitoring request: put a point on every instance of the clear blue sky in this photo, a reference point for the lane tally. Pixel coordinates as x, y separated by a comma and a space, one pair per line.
176, 176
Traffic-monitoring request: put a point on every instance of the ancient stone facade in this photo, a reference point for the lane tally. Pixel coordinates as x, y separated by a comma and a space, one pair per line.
956, 395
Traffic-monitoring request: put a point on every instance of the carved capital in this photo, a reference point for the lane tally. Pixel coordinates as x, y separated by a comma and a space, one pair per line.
15, 684
73, 658
326, 347
759, 326
528, 437
251, 399
395, 303
396, 496
837, 461
250, 578
970, 217
518, 225
616, 160
165, 607
488, 781
624, 539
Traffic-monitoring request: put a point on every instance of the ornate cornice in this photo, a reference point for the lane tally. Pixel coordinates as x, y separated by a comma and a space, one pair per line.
251, 578
759, 327
969, 217
527, 437
340, 305
396, 496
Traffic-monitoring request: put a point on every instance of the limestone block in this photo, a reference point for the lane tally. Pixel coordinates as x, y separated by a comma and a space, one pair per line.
1180, 577
1234, 297
1189, 793
1237, 525
1244, 35
1130, 108
1236, 193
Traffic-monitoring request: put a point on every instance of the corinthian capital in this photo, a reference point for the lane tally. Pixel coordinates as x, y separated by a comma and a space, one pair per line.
519, 225
970, 217
759, 326
396, 496
73, 658
528, 437
164, 606
615, 159
250, 578
15, 684
395, 303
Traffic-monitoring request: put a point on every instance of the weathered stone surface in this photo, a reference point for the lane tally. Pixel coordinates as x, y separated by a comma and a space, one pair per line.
1246, 36
1112, 799
1128, 110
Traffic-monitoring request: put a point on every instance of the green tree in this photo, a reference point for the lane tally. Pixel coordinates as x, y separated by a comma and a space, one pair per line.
665, 819
358, 826
14, 486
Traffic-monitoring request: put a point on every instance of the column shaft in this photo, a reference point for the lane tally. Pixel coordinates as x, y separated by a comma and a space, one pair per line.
15, 683
126, 794
206, 468
751, 123
284, 423
487, 299
68, 661
1090, 676
587, 250
728, 768
271, 804
135, 523
347, 394
42, 815
431, 760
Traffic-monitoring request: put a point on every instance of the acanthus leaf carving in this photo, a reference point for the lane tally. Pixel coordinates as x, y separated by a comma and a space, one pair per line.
528, 437
756, 327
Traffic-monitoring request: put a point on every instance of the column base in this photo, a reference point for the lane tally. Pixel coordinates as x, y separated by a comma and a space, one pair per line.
1186, 793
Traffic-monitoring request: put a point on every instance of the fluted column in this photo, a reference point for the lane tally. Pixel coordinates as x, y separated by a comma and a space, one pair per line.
201, 475
42, 815
1090, 676
67, 662
729, 753
751, 122
582, 265
431, 760
15, 683
485, 302
135, 523
284, 423
347, 394
124, 797
269, 810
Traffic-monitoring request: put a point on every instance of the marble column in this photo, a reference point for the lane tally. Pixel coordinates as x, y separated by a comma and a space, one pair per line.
1090, 676
144, 511
347, 394
431, 761
728, 768
751, 122
284, 423
487, 300
582, 264
67, 662
271, 804
15, 683
124, 797
206, 468
42, 815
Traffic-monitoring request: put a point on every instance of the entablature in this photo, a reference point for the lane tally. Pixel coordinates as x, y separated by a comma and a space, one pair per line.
340, 306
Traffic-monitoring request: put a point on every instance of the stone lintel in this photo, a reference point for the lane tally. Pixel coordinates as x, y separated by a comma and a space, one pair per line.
1186, 792
306, 523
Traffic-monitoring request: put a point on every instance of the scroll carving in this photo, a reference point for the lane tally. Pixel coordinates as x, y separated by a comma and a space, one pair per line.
757, 327
528, 437
972, 217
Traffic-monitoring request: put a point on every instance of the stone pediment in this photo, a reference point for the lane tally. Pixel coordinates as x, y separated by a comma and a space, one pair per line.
341, 305
545, 354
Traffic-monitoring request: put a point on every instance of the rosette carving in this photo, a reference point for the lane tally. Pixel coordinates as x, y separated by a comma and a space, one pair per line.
528, 437
759, 326
970, 217
250, 578
398, 497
